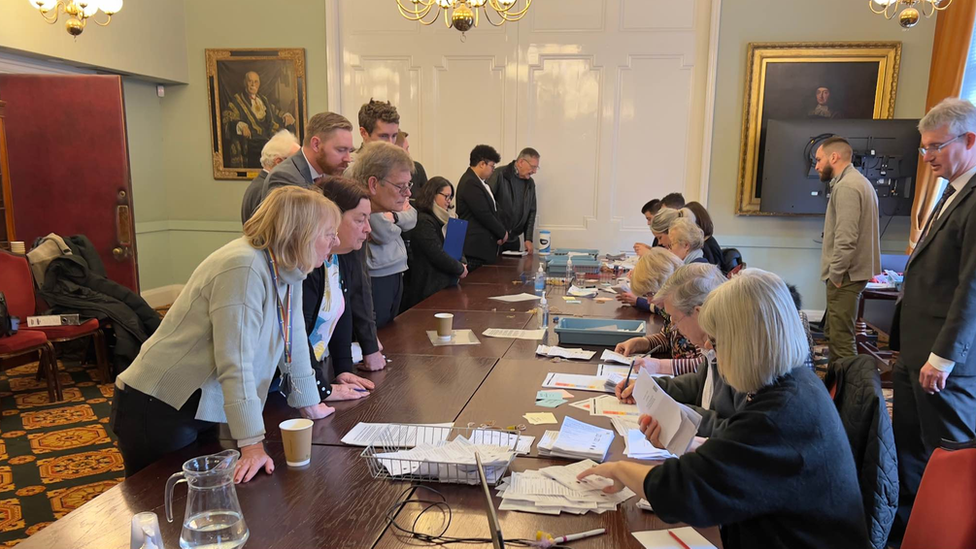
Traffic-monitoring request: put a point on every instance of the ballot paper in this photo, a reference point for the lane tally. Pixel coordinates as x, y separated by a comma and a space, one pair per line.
623, 424
638, 447
554, 350
575, 381
582, 440
515, 334
586, 404
540, 418
610, 356
554, 490
516, 298
679, 424
608, 405
581, 292
389, 434
688, 538
522, 444
452, 461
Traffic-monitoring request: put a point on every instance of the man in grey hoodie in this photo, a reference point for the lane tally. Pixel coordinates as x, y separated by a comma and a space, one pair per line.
385, 171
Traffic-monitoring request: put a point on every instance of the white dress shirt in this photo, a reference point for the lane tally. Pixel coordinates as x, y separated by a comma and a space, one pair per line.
311, 168
491, 194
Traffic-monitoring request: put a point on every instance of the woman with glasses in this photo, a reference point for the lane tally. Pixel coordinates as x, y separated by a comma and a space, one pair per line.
431, 269
781, 473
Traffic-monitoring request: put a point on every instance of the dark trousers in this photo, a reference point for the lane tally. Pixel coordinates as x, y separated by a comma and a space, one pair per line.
921, 422
148, 428
511, 246
387, 293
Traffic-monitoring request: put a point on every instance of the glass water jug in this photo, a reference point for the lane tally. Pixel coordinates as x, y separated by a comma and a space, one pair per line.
213, 518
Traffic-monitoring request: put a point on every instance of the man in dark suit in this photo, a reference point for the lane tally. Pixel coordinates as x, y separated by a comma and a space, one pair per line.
476, 204
279, 148
935, 375
514, 191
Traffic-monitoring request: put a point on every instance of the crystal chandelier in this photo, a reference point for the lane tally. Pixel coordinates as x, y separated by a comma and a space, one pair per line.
462, 14
911, 10
77, 11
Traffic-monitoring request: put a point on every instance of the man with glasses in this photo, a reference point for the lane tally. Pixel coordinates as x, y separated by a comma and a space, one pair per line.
476, 204
851, 251
514, 189
935, 376
384, 170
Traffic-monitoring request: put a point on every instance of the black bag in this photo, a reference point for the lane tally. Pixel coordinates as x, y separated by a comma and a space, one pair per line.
6, 327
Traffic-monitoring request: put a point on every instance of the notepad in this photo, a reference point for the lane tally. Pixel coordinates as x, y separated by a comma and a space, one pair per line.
457, 229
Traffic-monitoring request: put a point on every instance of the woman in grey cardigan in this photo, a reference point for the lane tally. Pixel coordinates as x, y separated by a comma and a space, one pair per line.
213, 357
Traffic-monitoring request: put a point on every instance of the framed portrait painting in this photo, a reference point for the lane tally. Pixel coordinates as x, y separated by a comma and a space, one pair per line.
817, 80
254, 93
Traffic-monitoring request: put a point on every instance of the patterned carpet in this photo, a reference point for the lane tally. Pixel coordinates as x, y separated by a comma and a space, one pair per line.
53, 458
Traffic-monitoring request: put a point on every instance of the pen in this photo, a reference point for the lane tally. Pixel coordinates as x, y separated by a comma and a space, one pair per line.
676, 538
581, 535
359, 390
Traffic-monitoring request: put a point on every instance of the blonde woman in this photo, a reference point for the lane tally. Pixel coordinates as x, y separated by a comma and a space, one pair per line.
661, 223
781, 473
686, 240
649, 274
237, 320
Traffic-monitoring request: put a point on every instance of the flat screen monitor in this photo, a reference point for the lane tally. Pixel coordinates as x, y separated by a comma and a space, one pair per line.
885, 151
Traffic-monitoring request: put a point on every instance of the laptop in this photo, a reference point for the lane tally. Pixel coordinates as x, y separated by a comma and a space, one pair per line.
497, 540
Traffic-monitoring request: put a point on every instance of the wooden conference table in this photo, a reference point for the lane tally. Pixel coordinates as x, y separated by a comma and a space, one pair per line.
334, 503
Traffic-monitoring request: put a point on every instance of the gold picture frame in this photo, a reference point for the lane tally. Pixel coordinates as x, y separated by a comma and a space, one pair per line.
253, 93
791, 79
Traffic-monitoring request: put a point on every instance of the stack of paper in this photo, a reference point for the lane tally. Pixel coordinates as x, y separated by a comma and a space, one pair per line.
401, 436
576, 439
553, 350
522, 444
551, 399
679, 423
636, 446
553, 490
575, 381
580, 292
516, 298
515, 334
610, 356
452, 461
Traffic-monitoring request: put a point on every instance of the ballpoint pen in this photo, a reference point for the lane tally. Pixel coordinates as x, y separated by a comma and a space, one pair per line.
676, 538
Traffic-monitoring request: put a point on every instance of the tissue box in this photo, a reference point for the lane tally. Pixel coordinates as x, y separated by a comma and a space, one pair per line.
53, 320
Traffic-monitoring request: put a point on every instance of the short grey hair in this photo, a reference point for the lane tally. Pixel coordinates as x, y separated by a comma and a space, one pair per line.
958, 114
652, 270
281, 145
379, 159
690, 285
685, 231
758, 335
665, 217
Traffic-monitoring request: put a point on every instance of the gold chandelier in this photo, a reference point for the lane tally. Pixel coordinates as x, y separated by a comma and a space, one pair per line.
77, 11
910, 14
462, 14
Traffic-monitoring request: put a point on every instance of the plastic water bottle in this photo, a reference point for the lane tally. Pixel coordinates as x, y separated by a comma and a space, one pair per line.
540, 281
543, 313
569, 270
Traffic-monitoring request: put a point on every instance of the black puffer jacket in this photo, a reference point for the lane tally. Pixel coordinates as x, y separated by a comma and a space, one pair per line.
71, 287
863, 412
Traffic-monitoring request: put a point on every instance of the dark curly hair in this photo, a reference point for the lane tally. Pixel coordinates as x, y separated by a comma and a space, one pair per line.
370, 112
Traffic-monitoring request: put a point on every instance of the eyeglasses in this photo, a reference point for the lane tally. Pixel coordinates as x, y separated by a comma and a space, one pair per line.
937, 148
334, 238
448, 197
403, 188
529, 164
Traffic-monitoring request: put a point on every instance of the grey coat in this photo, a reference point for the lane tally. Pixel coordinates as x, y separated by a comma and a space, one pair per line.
688, 388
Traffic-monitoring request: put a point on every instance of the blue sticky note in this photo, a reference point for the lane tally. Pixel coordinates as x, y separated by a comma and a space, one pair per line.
550, 402
549, 395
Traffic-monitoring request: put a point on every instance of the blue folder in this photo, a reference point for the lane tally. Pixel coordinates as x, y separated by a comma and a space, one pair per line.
454, 239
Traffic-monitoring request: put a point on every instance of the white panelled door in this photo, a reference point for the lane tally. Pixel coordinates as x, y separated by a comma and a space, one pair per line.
611, 93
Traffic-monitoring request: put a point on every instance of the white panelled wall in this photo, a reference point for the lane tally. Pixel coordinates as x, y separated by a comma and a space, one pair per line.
612, 93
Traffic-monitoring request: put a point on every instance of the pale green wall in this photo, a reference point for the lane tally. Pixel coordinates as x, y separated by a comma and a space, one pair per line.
145, 39
205, 213
786, 245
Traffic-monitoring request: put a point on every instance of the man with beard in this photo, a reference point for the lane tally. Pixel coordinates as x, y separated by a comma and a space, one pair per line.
851, 247
326, 151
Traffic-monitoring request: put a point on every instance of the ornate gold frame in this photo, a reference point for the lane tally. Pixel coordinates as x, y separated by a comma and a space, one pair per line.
761, 54
294, 55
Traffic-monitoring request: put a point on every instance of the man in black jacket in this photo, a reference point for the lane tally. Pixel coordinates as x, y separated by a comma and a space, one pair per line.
935, 376
514, 190
476, 204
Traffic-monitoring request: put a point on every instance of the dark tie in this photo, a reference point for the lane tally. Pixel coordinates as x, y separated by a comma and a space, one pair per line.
949, 190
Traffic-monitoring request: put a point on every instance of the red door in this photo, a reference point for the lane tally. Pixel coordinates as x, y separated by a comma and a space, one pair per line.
69, 164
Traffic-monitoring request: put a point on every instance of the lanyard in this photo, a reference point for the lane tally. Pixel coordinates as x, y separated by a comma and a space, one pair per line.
284, 309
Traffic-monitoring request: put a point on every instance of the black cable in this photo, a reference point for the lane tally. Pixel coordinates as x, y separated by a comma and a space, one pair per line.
883, 231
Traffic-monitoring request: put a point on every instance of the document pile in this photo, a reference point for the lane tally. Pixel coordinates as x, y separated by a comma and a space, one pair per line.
552, 490
636, 446
452, 461
553, 351
581, 292
396, 436
679, 423
576, 439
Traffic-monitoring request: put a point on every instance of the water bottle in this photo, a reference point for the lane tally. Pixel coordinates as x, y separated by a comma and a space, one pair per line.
569, 270
540, 281
543, 313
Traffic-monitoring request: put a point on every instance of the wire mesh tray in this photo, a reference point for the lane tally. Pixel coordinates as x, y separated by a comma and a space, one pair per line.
497, 448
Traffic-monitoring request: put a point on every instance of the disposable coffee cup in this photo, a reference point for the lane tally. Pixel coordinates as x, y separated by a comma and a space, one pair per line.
18, 247
296, 435
445, 325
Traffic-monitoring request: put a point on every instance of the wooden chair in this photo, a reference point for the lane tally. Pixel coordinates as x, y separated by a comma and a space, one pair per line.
943, 512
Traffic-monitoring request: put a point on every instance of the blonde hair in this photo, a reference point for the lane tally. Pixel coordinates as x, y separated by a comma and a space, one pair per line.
666, 216
378, 159
288, 222
690, 285
758, 335
685, 231
653, 269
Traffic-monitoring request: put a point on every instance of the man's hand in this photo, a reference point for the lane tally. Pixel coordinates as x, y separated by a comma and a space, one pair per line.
244, 129
373, 362
528, 247
932, 379
349, 378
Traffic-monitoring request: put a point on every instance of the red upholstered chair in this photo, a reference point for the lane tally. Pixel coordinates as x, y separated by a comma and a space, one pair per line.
18, 289
943, 514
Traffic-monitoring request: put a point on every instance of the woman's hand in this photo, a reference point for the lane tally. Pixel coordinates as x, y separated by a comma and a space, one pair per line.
318, 411
651, 429
640, 248
627, 297
633, 345
606, 470
624, 390
652, 365
346, 392
252, 460
349, 378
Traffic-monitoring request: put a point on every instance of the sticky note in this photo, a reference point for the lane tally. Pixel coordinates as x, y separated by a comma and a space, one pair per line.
540, 418
546, 395
550, 402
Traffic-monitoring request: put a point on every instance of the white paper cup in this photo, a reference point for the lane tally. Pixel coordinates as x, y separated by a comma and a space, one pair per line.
296, 436
445, 325
18, 247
